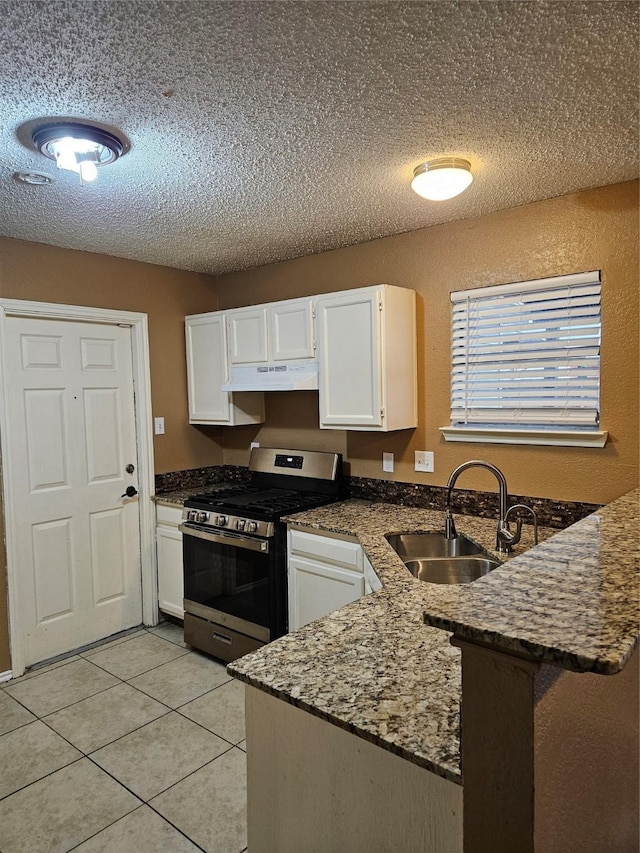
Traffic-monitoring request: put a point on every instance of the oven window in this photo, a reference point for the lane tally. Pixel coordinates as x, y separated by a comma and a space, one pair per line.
227, 578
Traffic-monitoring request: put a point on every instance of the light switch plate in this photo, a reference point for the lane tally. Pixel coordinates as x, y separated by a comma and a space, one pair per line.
387, 462
424, 461
158, 424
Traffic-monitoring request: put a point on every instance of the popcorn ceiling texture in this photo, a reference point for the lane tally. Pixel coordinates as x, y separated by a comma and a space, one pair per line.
265, 131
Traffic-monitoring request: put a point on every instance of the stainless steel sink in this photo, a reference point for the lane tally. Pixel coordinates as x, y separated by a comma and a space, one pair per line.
451, 569
434, 558
420, 546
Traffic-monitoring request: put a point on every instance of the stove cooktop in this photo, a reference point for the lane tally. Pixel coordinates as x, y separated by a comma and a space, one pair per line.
267, 504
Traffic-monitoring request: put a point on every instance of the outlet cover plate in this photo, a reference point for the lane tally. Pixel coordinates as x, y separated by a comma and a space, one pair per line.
158, 426
387, 462
424, 461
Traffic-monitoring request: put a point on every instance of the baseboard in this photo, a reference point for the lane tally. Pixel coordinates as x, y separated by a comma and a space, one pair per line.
6, 676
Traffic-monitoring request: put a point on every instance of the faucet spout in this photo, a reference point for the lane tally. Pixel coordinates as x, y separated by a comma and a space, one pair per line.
504, 538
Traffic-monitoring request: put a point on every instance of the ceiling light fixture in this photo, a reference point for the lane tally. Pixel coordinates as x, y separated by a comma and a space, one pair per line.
438, 180
79, 148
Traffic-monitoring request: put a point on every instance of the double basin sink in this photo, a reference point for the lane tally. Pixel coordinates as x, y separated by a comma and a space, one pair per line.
434, 558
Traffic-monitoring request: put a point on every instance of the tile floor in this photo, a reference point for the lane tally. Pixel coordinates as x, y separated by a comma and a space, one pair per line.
134, 746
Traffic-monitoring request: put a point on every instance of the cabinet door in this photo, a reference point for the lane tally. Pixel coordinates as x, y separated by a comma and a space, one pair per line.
350, 359
291, 332
247, 328
207, 369
170, 579
316, 589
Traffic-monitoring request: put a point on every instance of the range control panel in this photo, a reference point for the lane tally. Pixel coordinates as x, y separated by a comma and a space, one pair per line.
283, 461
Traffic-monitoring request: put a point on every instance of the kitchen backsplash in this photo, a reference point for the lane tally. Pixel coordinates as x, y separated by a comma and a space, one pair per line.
551, 513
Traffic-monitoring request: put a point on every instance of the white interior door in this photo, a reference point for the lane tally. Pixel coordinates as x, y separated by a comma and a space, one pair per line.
72, 435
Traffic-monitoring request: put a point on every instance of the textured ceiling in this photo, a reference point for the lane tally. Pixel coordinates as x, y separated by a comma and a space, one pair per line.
266, 130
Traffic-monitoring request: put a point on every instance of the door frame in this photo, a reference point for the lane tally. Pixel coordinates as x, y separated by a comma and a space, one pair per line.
144, 445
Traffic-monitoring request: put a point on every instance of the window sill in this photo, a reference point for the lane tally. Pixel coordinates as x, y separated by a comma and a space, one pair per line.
562, 438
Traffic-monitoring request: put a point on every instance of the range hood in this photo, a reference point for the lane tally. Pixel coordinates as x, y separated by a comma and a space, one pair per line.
274, 377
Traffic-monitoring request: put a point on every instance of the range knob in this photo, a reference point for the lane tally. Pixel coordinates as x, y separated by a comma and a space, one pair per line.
252, 527
240, 524
203, 516
221, 520
192, 515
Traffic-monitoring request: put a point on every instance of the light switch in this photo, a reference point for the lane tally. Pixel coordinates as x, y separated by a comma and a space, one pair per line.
158, 426
424, 461
387, 462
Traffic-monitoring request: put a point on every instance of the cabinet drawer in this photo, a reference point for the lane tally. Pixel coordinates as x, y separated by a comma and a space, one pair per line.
168, 515
328, 548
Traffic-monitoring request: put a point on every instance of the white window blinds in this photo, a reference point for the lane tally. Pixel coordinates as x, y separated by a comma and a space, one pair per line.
527, 353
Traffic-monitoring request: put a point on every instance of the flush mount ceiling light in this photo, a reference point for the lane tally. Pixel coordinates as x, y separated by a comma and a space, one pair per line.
80, 148
438, 180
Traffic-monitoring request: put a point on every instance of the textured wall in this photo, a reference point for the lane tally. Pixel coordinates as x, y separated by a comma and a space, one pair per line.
47, 274
595, 229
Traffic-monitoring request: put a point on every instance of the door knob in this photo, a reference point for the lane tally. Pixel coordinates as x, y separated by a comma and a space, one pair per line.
130, 492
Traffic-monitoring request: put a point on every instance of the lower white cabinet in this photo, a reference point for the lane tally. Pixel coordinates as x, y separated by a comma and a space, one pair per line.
169, 550
326, 571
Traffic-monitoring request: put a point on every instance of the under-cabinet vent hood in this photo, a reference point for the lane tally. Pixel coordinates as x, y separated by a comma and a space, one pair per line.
274, 377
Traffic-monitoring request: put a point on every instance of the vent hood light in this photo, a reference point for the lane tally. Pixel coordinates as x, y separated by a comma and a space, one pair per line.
438, 180
78, 148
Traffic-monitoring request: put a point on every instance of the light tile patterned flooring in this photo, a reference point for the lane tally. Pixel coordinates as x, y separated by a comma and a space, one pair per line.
134, 746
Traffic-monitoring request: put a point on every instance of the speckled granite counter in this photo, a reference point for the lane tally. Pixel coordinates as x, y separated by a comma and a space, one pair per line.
572, 601
178, 497
373, 667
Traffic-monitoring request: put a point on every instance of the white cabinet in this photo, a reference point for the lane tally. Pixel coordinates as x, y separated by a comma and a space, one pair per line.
277, 331
368, 359
326, 571
207, 371
247, 328
169, 550
291, 329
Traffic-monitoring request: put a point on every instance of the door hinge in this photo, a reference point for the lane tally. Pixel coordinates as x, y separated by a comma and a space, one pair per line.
313, 311
382, 413
379, 303
313, 343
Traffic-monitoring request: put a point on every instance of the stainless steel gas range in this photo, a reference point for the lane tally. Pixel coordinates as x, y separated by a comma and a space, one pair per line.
234, 547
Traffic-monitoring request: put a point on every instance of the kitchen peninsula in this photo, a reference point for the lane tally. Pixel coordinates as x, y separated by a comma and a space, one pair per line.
534, 633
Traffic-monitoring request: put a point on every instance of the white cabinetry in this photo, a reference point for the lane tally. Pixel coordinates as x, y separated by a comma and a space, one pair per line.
367, 351
169, 549
277, 331
207, 371
326, 571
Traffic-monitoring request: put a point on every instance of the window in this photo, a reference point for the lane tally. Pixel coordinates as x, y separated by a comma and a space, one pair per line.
525, 362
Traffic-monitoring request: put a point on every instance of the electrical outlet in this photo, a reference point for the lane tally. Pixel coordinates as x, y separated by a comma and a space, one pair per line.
387, 462
424, 461
158, 426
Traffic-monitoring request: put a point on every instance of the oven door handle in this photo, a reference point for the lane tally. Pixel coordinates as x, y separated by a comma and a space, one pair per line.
236, 540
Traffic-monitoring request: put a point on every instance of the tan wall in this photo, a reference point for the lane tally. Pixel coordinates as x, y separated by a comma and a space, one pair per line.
595, 229
47, 274
43, 273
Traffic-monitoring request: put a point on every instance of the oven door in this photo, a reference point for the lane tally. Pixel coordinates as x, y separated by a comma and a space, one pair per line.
227, 579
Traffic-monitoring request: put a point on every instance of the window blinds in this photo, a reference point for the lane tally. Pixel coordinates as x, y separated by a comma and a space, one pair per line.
527, 353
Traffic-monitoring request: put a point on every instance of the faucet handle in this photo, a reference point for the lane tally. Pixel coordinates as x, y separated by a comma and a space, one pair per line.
519, 520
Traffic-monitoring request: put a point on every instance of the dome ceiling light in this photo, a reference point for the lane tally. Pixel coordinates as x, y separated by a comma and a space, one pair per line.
79, 148
438, 180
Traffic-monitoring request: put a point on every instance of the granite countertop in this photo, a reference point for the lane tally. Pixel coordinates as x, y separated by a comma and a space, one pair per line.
375, 669
178, 497
572, 601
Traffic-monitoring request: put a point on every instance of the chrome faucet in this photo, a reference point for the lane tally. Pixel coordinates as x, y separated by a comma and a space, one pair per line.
504, 537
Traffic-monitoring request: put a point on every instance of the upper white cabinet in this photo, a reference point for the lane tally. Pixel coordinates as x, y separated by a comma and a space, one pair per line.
207, 371
247, 329
278, 331
367, 351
